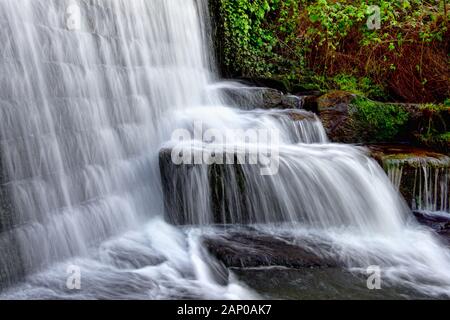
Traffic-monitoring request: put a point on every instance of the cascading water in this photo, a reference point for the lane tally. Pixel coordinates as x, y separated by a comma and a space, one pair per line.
83, 116
430, 186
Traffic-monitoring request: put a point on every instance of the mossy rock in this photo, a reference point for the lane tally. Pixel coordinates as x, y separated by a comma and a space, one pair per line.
336, 100
349, 118
391, 155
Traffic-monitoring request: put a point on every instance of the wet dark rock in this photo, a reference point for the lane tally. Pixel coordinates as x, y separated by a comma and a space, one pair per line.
334, 110
291, 102
265, 82
255, 249
310, 102
300, 116
182, 191
318, 284
436, 221
335, 101
439, 222
248, 97
271, 98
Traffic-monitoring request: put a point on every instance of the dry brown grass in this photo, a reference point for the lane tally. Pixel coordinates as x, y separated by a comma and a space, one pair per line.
416, 71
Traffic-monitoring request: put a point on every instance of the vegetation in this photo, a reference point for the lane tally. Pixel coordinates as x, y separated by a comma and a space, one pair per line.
382, 122
327, 44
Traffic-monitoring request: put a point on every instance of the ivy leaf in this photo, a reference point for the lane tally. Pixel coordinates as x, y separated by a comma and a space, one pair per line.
314, 18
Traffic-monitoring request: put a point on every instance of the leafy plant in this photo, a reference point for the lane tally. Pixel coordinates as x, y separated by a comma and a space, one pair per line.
381, 121
447, 102
327, 44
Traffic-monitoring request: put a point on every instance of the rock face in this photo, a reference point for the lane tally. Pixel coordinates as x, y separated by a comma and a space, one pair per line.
422, 176
334, 110
246, 249
248, 97
183, 186
349, 118
352, 119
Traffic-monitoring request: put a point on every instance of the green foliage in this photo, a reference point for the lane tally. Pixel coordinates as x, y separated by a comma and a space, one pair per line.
260, 37
360, 86
334, 20
433, 108
381, 121
445, 136
447, 102
305, 42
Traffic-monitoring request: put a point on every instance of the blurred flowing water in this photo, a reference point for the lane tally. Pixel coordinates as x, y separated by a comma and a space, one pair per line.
430, 186
84, 114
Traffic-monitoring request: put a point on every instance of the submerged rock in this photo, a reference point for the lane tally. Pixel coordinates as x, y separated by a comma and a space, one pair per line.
439, 222
244, 249
318, 283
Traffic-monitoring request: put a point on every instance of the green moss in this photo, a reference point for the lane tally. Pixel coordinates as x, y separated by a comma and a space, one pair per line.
447, 102
445, 136
360, 86
382, 122
434, 108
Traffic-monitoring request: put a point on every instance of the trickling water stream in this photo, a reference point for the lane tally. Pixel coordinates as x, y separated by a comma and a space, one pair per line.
430, 182
84, 114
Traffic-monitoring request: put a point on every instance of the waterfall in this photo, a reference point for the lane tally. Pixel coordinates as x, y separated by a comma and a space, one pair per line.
81, 115
428, 180
85, 109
